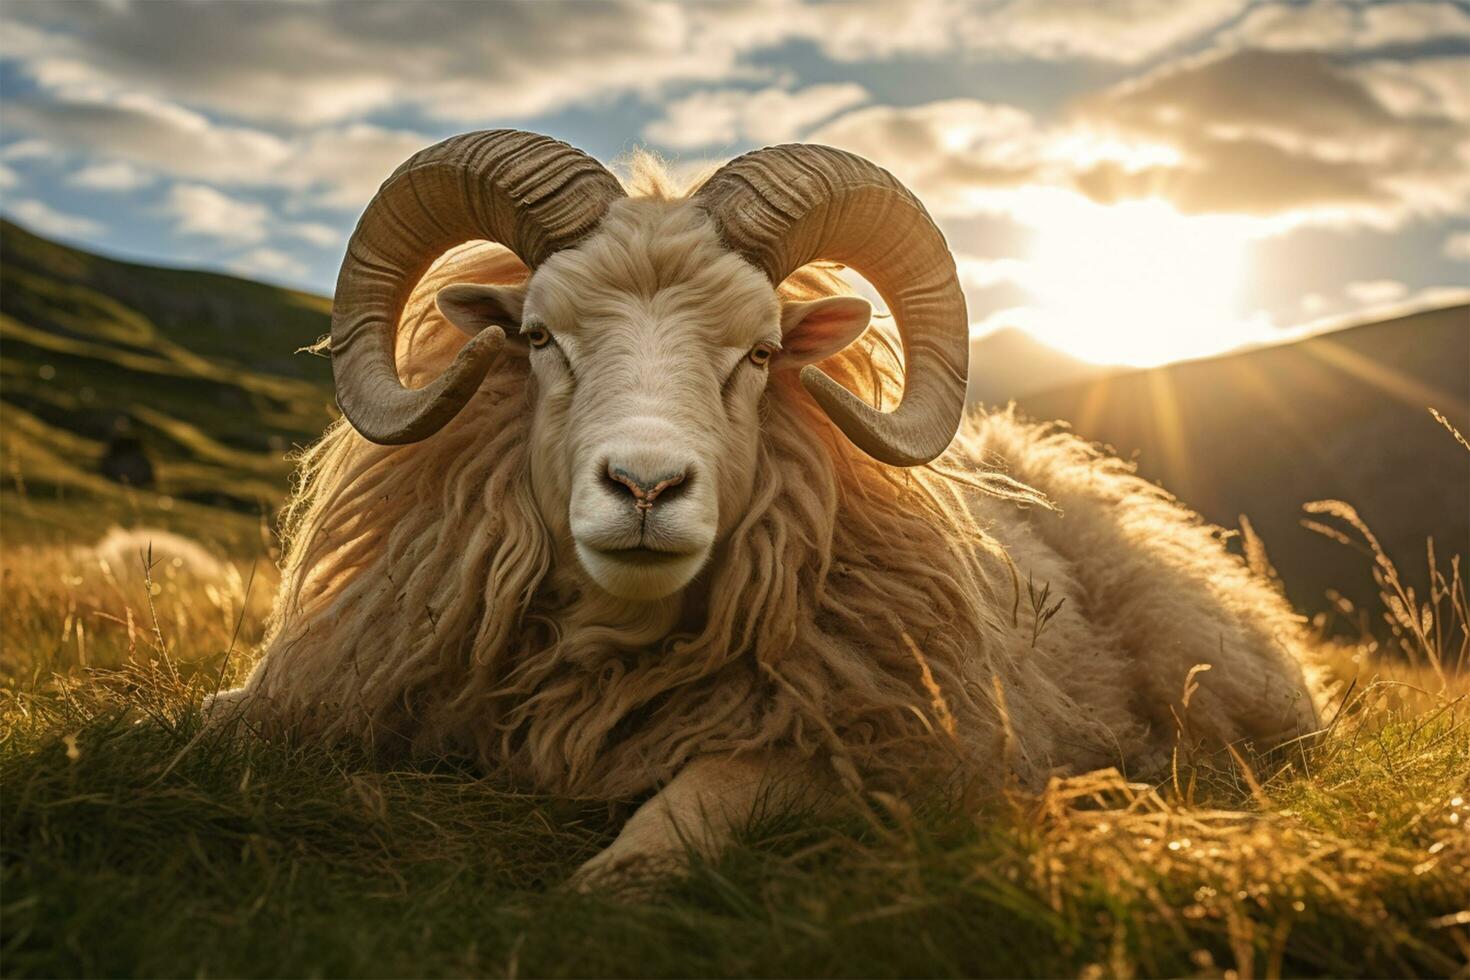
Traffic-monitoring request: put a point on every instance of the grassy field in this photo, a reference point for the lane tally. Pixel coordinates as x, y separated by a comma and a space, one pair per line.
195, 372
136, 843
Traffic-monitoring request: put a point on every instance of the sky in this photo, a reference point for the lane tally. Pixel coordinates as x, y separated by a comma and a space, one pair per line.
1133, 181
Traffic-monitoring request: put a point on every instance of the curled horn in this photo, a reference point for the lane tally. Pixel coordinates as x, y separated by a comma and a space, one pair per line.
532, 194
785, 206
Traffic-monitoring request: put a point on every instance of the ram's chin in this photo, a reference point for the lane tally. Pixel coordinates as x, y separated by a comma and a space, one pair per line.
640, 573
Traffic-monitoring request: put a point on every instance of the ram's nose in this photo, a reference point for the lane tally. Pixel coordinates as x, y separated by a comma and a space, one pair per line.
646, 479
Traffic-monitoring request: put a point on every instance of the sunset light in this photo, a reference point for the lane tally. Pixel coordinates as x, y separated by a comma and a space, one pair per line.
1138, 283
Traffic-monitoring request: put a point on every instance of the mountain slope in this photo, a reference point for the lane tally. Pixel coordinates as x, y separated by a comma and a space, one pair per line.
180, 386
1341, 415
1010, 363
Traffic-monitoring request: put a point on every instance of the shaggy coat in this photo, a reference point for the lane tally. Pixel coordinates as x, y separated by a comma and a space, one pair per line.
1026, 605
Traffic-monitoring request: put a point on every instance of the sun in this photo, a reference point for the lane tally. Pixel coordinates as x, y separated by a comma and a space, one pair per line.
1137, 283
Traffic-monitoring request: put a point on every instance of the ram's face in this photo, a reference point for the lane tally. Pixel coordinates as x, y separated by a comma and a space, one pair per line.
650, 347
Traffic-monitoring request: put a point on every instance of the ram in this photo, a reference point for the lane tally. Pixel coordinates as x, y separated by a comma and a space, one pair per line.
649, 529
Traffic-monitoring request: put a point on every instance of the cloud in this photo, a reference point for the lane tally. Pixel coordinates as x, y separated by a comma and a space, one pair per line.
322, 236
1291, 135
335, 167
1313, 304
303, 65
1375, 291
313, 64
267, 262
771, 115
8, 177
954, 153
201, 210
1122, 31
1282, 138
114, 176
1128, 32
978, 274
343, 167
28, 149
1428, 298
1332, 25
1457, 246
48, 221
1421, 87
155, 134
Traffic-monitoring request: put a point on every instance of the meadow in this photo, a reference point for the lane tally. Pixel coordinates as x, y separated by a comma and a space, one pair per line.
138, 842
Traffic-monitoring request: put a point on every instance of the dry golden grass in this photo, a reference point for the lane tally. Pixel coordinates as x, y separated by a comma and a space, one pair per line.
131, 594
136, 842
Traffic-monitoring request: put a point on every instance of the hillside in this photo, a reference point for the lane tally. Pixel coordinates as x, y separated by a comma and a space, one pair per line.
1010, 363
128, 387
1340, 415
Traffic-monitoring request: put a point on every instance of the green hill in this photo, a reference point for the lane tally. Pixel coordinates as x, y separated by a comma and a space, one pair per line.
128, 389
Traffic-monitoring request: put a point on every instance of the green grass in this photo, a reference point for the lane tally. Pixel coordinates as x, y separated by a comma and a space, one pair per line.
133, 842
201, 369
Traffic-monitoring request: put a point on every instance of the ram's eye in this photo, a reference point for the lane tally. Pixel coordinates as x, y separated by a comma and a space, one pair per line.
760, 354
536, 335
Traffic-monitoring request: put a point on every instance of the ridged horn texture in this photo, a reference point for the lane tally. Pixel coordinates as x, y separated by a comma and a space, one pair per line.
532, 194
785, 206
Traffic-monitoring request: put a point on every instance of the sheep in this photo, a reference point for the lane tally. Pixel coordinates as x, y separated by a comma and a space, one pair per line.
124, 553
647, 530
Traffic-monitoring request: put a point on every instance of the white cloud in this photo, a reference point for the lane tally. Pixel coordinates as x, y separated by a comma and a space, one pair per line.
1426, 87
308, 65
1121, 31
343, 167
1313, 304
961, 156
1457, 246
337, 167
47, 220
1428, 298
201, 210
8, 177
977, 273
322, 236
771, 115
114, 176
314, 64
1332, 25
1324, 146
267, 262
157, 135
1129, 32
28, 149
1373, 292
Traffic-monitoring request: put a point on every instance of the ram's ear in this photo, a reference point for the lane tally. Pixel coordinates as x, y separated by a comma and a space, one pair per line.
820, 328
472, 307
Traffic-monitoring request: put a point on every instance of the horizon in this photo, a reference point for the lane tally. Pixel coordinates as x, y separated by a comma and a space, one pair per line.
1386, 313
1113, 184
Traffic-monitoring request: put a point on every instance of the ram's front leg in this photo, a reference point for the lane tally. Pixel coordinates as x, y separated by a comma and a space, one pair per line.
699, 810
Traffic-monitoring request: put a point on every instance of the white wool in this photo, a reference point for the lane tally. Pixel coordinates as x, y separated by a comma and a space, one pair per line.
892, 620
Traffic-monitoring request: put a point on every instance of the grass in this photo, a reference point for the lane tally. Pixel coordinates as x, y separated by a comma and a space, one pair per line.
198, 368
136, 843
